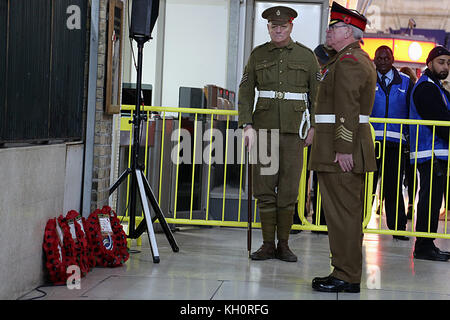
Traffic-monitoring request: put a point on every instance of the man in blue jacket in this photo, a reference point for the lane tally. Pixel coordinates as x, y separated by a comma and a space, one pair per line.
430, 101
391, 101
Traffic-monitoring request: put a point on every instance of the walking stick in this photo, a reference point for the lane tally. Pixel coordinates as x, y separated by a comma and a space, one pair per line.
249, 202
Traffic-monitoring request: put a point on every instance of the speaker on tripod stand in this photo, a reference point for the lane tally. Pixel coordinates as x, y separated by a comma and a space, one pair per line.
143, 18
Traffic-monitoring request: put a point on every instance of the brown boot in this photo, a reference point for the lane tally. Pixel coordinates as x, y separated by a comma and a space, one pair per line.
284, 253
267, 251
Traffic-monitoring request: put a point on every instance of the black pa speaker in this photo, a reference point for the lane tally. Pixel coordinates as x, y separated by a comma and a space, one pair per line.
143, 17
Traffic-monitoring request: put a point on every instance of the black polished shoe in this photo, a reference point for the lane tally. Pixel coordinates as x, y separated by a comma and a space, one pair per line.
439, 251
431, 254
332, 284
318, 280
401, 238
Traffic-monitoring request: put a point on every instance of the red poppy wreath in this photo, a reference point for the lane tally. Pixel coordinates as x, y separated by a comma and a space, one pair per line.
106, 238
81, 249
58, 249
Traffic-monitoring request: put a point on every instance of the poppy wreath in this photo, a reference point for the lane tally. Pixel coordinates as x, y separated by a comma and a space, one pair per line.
81, 249
68, 246
108, 242
57, 259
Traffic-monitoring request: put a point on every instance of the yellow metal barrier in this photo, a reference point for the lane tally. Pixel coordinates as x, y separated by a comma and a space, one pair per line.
126, 126
242, 222
399, 197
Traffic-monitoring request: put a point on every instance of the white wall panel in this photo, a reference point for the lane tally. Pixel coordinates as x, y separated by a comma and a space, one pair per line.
195, 46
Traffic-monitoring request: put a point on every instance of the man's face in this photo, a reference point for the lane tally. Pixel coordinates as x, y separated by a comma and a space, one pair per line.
336, 34
280, 33
383, 60
440, 66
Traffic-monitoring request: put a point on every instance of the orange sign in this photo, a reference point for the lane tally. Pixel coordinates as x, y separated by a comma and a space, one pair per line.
404, 50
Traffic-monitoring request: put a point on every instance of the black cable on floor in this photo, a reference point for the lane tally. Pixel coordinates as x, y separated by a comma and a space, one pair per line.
38, 289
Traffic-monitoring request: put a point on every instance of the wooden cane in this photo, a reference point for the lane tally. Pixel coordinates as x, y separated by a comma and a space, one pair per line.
249, 202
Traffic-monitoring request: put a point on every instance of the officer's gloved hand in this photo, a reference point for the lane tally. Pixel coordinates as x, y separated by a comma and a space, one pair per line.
249, 136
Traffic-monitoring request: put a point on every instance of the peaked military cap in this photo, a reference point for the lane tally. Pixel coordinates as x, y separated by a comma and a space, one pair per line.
352, 17
279, 14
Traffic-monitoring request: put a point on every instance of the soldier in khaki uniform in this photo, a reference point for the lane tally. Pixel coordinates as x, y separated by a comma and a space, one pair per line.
285, 74
343, 150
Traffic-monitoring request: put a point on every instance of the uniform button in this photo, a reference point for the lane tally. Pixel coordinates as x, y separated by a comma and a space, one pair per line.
281, 61
281, 71
281, 82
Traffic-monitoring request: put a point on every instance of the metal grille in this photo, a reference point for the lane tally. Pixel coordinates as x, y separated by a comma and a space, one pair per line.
43, 64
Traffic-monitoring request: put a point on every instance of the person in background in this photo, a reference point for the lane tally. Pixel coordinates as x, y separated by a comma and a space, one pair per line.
430, 101
391, 101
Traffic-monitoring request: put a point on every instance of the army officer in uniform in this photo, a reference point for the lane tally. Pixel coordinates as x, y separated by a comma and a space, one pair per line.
285, 74
343, 150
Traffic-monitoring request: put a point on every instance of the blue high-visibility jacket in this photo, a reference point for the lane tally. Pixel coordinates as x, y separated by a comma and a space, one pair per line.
425, 140
391, 102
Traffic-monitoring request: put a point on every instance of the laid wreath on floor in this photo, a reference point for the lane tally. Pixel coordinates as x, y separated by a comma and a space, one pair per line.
58, 249
81, 249
106, 238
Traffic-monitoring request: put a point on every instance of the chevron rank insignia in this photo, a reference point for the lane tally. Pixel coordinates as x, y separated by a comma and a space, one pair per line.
344, 134
244, 79
348, 55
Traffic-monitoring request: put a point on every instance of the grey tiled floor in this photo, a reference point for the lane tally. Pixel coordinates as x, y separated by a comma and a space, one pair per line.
213, 264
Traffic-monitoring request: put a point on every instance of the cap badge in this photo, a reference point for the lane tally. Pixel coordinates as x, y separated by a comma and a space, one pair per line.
278, 12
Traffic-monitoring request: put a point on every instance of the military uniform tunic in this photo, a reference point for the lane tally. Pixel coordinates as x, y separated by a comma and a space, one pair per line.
291, 69
346, 90
345, 99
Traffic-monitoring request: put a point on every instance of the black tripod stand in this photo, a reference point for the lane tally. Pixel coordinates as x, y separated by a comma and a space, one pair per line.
139, 181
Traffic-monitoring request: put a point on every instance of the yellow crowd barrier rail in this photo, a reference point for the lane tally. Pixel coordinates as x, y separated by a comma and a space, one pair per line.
241, 220
379, 227
371, 223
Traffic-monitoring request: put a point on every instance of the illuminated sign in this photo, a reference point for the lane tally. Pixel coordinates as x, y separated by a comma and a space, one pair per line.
404, 50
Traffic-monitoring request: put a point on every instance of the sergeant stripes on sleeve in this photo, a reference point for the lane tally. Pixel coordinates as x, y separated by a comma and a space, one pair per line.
244, 78
344, 134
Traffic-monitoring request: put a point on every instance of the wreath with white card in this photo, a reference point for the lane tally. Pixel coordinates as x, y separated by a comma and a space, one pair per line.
106, 238
81, 249
57, 246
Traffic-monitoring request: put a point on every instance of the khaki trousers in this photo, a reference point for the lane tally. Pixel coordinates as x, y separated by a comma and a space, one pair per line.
277, 191
343, 201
